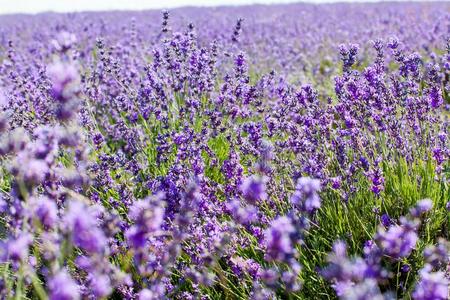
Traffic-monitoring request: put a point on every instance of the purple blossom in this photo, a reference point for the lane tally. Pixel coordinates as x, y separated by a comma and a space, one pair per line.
63, 287
62, 76
386, 220
254, 189
376, 176
367, 289
397, 241
243, 214
46, 211
82, 224
15, 249
148, 216
306, 196
437, 255
278, 241
431, 285
421, 207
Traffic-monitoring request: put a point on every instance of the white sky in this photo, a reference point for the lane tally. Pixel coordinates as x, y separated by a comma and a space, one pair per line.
35, 6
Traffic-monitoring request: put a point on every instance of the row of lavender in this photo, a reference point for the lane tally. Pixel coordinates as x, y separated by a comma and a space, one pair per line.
190, 158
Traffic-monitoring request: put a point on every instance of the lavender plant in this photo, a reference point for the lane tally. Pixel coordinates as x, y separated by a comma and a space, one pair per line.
263, 152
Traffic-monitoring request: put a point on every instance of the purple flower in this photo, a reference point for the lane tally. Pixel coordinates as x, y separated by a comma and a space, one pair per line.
62, 75
376, 176
348, 55
237, 30
354, 278
278, 241
366, 290
435, 97
148, 215
421, 207
386, 220
336, 183
340, 269
45, 210
65, 80
397, 241
438, 155
32, 171
63, 287
431, 285
405, 268
64, 40
306, 196
100, 285
253, 189
243, 214
81, 222
16, 249
146, 294
261, 293
437, 255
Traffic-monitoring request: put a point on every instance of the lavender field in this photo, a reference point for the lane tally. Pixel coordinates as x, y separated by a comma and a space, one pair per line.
253, 152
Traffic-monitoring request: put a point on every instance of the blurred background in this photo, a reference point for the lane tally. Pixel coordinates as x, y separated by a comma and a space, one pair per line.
37, 6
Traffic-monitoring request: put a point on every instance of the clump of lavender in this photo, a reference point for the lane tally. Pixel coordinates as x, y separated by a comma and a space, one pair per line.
279, 239
147, 215
433, 284
353, 276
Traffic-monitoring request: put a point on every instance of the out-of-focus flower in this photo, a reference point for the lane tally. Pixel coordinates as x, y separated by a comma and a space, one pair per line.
431, 285
243, 214
15, 249
63, 287
278, 240
64, 41
254, 189
83, 227
45, 210
397, 241
65, 80
306, 196
148, 216
62, 76
366, 290
421, 207
438, 255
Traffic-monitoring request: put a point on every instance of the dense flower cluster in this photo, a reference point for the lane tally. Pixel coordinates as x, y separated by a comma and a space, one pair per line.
224, 158
361, 276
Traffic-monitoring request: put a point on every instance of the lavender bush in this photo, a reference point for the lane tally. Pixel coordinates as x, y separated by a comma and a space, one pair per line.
262, 152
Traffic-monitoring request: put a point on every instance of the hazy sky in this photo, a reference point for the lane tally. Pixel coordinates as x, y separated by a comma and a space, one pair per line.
34, 6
